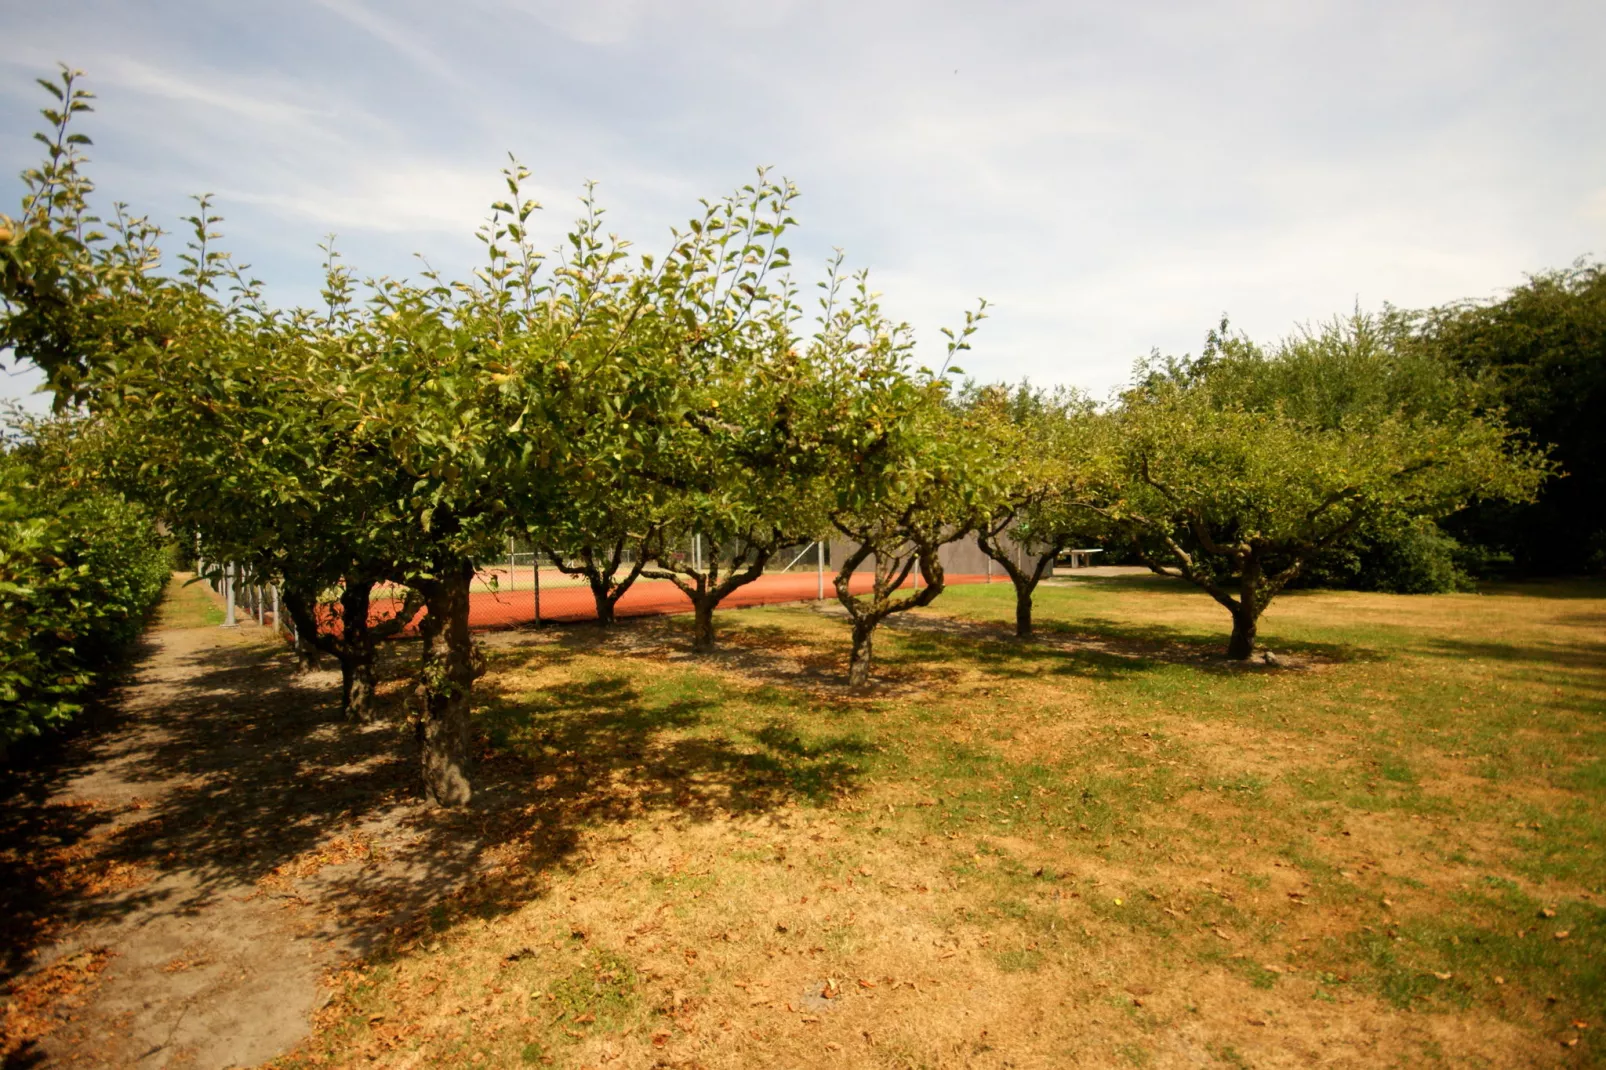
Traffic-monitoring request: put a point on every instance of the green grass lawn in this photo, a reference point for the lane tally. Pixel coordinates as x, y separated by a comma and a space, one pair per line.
188, 604
1103, 847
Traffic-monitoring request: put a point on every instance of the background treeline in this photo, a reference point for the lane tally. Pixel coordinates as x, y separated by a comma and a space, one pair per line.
1541, 352
370, 454
1539, 356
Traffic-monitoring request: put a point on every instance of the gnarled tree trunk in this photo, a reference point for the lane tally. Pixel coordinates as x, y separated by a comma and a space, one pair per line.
357, 682
448, 672
355, 645
706, 590
1025, 580
301, 605
863, 650
702, 628
1246, 613
1242, 643
355, 650
890, 576
604, 600
600, 569
308, 656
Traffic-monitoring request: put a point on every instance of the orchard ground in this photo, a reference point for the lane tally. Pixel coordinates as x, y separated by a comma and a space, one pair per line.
1104, 847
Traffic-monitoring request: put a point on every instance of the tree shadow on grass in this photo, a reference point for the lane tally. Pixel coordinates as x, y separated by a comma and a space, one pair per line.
1098, 648
1570, 589
1590, 658
1005, 657
1132, 581
768, 654
563, 735
928, 644
256, 789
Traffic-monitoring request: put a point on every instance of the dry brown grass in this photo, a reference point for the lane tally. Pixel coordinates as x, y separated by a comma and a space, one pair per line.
1105, 848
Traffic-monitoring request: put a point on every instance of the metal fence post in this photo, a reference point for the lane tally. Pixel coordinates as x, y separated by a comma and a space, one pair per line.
819, 570
228, 598
535, 569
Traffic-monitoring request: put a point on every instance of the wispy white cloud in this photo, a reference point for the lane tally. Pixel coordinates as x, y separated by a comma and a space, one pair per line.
613, 22
1113, 178
394, 35
395, 196
263, 106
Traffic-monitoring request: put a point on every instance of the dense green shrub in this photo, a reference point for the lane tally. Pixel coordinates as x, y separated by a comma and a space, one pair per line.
79, 572
1418, 558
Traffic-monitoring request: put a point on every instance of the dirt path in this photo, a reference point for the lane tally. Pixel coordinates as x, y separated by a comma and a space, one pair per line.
179, 878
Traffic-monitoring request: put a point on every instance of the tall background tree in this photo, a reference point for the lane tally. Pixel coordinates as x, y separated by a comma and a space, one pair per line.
1542, 351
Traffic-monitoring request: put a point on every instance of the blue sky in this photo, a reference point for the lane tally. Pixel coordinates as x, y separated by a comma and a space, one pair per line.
1111, 177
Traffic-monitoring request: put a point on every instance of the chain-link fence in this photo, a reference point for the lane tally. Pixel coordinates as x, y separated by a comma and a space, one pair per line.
529, 586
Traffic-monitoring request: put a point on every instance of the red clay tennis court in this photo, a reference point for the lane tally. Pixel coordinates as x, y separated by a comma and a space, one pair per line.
562, 599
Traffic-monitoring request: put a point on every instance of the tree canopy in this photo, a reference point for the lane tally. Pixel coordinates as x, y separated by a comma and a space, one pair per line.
1236, 470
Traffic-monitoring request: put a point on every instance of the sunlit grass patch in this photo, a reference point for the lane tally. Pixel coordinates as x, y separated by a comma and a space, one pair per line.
1073, 849
188, 603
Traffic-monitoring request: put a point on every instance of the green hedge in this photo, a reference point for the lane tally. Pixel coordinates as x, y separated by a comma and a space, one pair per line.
78, 577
